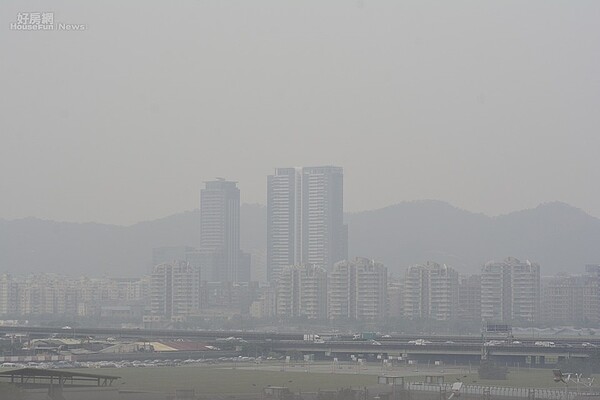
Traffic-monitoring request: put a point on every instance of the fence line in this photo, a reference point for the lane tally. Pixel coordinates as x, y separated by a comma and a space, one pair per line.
549, 394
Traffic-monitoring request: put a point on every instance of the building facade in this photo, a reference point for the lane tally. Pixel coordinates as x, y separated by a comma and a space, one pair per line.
175, 290
510, 291
430, 291
301, 291
358, 290
469, 298
305, 218
443, 292
220, 230
563, 299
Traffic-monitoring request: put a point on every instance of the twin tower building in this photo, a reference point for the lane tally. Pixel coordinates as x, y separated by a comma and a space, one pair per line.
305, 223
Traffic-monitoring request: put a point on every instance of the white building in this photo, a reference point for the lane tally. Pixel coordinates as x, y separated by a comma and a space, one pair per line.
510, 290
175, 290
430, 291
358, 290
415, 303
305, 218
301, 291
443, 292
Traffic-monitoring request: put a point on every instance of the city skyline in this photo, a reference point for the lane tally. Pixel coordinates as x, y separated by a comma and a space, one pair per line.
360, 289
300, 200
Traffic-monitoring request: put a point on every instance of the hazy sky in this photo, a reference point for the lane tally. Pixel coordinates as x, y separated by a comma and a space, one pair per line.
492, 106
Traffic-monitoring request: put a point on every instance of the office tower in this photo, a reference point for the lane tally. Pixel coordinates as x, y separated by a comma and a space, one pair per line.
305, 214
358, 290
510, 290
174, 290
431, 291
220, 230
301, 291
469, 298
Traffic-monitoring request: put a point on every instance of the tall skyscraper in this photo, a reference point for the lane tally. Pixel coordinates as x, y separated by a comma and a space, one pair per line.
220, 230
305, 222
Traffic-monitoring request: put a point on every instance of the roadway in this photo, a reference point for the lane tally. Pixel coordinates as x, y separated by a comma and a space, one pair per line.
461, 349
138, 333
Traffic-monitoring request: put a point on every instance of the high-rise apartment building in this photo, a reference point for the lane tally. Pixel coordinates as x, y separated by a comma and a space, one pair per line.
301, 291
416, 292
305, 212
264, 305
526, 291
220, 230
8, 295
174, 290
496, 292
357, 290
469, 298
591, 293
510, 290
430, 291
443, 292
395, 292
562, 299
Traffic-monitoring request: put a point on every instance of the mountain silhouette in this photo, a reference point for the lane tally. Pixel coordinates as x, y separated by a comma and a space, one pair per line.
561, 238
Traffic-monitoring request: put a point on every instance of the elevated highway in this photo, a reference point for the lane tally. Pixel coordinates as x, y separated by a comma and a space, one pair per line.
450, 349
448, 353
138, 333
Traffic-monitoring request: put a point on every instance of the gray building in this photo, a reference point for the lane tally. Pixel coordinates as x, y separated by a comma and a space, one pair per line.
469, 298
8, 295
220, 230
305, 211
430, 291
301, 291
357, 290
174, 290
510, 291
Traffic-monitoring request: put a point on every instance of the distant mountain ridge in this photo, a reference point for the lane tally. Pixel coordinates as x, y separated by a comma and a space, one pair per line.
556, 235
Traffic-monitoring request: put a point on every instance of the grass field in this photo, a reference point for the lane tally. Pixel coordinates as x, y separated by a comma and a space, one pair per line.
208, 380
226, 380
